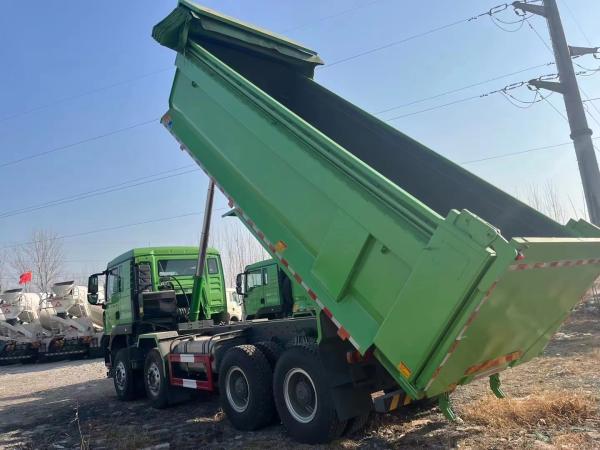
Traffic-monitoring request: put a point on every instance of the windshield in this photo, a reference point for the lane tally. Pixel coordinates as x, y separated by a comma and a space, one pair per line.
176, 267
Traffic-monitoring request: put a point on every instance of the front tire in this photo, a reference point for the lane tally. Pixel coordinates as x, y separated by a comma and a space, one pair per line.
155, 380
126, 381
245, 386
303, 397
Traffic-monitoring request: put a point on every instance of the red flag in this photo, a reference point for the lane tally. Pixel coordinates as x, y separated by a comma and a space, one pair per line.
25, 278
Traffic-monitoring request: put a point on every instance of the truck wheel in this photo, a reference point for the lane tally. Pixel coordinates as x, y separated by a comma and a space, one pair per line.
127, 381
245, 386
303, 397
155, 381
271, 350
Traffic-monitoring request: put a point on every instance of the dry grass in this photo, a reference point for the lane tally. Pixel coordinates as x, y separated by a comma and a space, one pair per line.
541, 409
573, 441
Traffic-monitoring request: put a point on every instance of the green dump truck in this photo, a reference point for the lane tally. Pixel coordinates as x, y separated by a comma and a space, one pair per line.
425, 277
269, 293
150, 289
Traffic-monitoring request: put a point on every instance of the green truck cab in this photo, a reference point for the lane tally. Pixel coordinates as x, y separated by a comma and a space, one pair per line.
269, 293
149, 289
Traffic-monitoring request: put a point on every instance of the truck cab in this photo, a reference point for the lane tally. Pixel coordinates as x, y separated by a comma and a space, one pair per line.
269, 293
149, 289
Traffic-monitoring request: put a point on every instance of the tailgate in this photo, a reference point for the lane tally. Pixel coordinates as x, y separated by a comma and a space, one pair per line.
515, 319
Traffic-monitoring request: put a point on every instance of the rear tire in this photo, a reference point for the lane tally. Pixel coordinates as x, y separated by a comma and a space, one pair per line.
303, 397
155, 380
271, 350
245, 386
127, 382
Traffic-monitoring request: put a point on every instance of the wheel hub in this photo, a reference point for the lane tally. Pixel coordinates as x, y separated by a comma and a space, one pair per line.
153, 378
120, 375
300, 395
303, 392
241, 388
237, 389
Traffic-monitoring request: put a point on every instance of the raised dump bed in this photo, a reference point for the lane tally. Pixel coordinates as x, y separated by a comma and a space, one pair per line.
443, 276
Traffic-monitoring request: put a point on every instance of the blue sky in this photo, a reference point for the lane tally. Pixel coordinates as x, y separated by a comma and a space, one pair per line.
56, 50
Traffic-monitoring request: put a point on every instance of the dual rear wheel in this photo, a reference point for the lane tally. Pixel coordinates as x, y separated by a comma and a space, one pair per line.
255, 388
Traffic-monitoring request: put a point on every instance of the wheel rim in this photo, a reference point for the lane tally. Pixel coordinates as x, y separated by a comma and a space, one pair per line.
300, 395
237, 389
153, 379
121, 375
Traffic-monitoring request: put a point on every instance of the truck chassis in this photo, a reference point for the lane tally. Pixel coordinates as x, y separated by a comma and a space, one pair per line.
262, 370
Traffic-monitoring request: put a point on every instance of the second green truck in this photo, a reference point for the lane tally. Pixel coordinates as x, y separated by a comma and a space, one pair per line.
269, 293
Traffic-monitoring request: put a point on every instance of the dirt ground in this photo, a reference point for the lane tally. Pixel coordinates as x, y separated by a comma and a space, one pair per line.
554, 404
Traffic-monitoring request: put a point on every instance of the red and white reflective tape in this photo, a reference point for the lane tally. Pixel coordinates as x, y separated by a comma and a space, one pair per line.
186, 358
461, 335
187, 383
342, 332
554, 264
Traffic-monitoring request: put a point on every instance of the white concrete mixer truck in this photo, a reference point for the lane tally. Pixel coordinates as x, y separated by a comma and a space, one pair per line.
75, 326
56, 326
21, 333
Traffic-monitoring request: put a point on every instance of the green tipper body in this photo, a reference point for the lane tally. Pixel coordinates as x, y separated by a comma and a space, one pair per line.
408, 254
269, 292
120, 280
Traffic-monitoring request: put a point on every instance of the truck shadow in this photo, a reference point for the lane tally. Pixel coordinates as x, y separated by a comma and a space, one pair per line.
89, 414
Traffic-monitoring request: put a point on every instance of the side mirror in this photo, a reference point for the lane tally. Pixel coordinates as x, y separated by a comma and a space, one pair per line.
93, 284
92, 296
239, 286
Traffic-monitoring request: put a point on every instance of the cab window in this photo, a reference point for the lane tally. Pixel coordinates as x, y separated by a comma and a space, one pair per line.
212, 266
176, 267
113, 285
253, 279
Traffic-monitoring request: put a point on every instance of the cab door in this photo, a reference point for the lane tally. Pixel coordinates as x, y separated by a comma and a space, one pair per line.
118, 296
271, 288
254, 298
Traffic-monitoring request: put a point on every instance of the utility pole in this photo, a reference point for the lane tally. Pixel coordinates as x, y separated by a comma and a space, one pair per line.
581, 134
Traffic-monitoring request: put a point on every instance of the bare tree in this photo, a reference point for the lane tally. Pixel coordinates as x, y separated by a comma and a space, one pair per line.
238, 248
547, 200
43, 255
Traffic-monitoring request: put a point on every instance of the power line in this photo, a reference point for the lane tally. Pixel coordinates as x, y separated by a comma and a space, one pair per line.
491, 12
113, 228
505, 91
583, 33
551, 51
544, 98
74, 144
101, 191
590, 115
392, 44
83, 94
532, 28
453, 91
522, 152
463, 100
